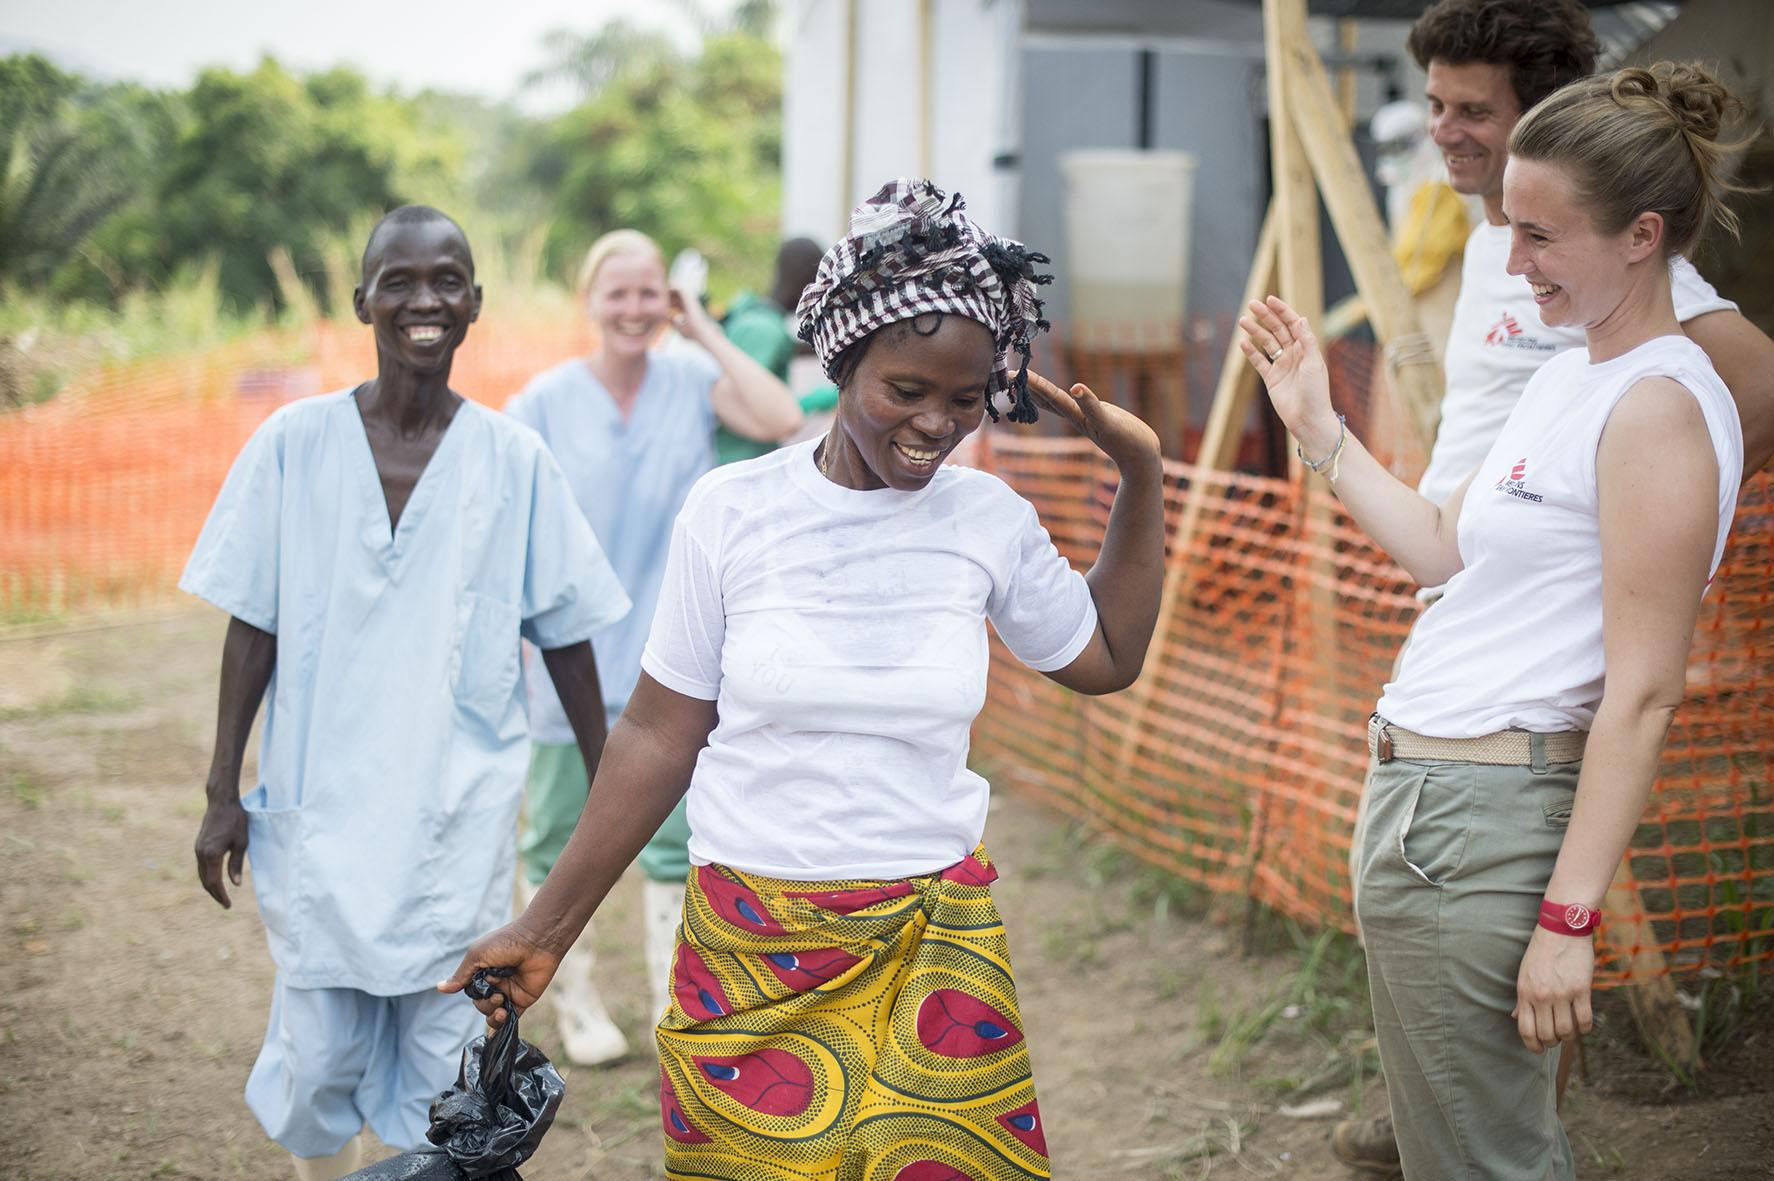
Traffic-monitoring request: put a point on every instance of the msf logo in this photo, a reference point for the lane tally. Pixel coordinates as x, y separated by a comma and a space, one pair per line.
1515, 483
1502, 330
1507, 333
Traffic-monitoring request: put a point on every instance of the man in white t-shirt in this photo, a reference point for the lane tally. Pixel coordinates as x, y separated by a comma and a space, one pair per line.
1488, 62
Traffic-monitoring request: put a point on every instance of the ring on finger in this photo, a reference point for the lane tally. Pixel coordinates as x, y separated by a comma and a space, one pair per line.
1275, 355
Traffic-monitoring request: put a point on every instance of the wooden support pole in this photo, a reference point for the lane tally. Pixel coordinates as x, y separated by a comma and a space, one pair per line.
1655, 1006
1224, 431
1411, 361
1219, 448
1348, 37
1300, 274
847, 154
1300, 277
926, 87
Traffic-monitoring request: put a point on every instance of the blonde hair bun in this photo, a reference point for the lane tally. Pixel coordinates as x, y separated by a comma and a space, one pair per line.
1697, 101
1642, 140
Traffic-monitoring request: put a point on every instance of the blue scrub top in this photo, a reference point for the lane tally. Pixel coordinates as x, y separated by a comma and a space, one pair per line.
630, 477
382, 830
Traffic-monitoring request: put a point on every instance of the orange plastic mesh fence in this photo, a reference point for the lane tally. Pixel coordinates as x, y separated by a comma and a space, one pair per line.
1241, 768
103, 489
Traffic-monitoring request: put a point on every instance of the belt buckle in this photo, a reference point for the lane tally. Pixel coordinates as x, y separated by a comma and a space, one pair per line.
1383, 751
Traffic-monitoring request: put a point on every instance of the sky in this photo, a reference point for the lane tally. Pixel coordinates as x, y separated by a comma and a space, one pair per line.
458, 45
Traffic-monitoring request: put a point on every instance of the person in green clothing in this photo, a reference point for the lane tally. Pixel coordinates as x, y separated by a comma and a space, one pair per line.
759, 325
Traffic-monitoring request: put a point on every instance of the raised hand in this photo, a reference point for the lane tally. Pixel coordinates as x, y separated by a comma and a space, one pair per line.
1279, 344
690, 318
1122, 436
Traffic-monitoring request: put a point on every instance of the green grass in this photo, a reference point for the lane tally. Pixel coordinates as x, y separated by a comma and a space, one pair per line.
1321, 1016
85, 698
1222, 1138
1605, 1157
26, 790
46, 341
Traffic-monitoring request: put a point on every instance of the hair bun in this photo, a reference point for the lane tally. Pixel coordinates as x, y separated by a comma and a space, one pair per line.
1692, 94
1643, 139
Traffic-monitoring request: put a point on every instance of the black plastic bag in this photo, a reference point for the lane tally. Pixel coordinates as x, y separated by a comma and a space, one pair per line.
491, 1121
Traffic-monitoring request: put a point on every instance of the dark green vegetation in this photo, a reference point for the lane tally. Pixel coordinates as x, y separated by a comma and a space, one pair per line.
250, 190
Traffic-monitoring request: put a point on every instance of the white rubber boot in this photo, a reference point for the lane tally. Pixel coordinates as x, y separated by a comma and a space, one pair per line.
588, 1036
342, 1163
662, 903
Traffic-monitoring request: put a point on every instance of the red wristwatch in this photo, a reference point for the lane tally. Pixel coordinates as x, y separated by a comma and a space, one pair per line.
1567, 918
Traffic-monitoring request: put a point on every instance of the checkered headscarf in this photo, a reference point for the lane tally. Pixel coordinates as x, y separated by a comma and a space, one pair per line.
912, 250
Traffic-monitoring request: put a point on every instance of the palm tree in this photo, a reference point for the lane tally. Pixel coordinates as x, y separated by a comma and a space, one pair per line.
70, 157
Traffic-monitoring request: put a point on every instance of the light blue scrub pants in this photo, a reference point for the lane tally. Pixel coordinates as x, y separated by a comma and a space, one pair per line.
335, 1059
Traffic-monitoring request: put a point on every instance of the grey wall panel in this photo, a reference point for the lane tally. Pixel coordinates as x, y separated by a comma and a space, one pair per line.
1209, 106
1209, 103
1204, 104
1230, 19
1073, 98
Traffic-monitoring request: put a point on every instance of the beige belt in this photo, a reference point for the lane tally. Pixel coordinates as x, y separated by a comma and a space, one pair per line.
1505, 748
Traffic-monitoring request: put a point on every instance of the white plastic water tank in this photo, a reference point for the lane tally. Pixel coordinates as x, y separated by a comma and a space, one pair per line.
1127, 246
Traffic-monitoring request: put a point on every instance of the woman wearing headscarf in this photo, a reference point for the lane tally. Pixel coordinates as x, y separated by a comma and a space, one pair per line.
843, 1004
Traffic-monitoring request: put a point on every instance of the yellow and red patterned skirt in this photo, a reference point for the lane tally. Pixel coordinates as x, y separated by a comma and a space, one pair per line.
846, 1031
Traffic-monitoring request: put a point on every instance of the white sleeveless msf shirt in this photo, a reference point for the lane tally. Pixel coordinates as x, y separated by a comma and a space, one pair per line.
1516, 642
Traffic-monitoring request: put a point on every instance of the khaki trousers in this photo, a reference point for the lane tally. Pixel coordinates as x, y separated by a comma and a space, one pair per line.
1453, 861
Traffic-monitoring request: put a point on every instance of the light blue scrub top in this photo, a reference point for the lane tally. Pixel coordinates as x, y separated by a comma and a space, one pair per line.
382, 832
630, 478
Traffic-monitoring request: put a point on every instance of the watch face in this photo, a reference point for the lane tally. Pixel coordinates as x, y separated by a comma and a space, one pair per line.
1577, 915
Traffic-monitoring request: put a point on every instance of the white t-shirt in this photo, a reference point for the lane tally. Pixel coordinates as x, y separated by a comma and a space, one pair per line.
843, 635
1516, 642
1496, 342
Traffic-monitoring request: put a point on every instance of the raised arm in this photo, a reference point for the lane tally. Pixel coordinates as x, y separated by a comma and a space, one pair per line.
248, 657
1657, 479
1128, 577
1417, 532
748, 398
644, 771
1744, 359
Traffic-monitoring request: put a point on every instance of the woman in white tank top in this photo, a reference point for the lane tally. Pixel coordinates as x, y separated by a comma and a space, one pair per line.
1508, 772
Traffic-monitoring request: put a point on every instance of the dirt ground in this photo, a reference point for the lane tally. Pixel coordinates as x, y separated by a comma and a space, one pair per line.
132, 1007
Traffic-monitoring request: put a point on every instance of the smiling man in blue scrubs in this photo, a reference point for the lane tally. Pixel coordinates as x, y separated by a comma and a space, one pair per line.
381, 551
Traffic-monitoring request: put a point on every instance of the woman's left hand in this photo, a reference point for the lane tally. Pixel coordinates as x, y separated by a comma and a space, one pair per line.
1552, 989
1122, 436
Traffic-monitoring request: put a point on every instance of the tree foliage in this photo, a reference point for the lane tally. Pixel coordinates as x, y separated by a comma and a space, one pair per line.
71, 156
270, 160
685, 147
108, 189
